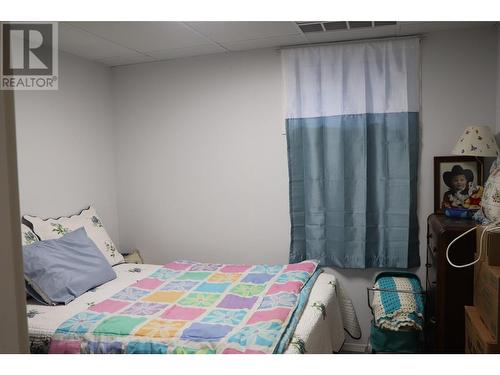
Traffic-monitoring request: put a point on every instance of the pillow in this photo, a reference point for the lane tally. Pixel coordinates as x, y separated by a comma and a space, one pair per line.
490, 202
49, 229
58, 271
28, 236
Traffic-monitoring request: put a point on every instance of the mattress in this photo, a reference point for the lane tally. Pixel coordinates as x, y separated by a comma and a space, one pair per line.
320, 328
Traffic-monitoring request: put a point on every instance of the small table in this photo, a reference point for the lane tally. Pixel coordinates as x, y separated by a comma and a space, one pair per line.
133, 257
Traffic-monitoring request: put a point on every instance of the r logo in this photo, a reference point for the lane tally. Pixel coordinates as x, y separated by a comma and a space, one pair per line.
30, 48
28, 56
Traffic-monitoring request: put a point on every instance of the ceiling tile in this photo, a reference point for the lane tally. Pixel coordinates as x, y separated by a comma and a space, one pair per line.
425, 27
122, 43
83, 44
412, 27
174, 53
131, 58
276, 41
223, 32
145, 36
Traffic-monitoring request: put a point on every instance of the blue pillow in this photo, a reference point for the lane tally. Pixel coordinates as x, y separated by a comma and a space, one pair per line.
60, 270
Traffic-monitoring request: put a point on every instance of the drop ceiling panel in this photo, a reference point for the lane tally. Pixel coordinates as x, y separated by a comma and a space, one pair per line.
130, 58
174, 53
276, 41
145, 36
223, 32
425, 27
83, 44
122, 43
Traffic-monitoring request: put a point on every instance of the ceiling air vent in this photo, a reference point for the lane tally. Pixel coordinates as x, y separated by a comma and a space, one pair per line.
358, 24
322, 26
329, 26
311, 27
385, 23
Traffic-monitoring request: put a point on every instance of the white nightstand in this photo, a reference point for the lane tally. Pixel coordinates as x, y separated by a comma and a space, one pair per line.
133, 257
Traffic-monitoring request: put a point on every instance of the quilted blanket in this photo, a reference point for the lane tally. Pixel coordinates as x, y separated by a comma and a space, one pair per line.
190, 307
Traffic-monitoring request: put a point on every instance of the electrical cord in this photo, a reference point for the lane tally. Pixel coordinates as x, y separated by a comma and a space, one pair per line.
488, 228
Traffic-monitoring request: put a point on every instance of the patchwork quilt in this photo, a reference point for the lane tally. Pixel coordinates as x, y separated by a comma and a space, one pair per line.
190, 307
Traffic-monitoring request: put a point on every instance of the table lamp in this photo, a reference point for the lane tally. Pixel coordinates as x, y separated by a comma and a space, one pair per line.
477, 141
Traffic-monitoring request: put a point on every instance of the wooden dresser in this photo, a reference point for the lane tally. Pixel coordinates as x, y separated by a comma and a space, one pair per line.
448, 289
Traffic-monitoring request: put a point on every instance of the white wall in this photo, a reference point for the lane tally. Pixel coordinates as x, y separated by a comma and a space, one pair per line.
13, 324
196, 162
458, 89
498, 86
202, 170
65, 144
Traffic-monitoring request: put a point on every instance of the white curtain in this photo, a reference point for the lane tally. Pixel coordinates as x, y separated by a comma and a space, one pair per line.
372, 77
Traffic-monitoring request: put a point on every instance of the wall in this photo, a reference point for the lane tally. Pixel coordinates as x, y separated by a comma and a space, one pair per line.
202, 170
65, 144
458, 89
13, 324
498, 86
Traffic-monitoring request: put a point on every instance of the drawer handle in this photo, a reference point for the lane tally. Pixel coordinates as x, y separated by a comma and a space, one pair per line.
428, 265
432, 320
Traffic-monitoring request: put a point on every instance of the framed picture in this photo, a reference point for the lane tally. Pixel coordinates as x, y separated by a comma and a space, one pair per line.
455, 181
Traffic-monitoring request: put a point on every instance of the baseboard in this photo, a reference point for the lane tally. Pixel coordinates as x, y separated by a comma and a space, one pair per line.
353, 347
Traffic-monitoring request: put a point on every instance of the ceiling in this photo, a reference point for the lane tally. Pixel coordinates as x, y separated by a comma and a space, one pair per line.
124, 43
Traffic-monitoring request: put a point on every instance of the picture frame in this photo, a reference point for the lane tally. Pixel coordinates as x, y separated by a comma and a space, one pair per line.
451, 172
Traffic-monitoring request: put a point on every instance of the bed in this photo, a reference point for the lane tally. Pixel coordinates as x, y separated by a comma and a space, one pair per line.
92, 301
319, 327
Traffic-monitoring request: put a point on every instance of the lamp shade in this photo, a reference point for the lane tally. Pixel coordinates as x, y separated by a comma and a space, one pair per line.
477, 141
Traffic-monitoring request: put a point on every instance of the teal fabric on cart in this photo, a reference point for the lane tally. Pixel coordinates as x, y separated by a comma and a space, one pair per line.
384, 341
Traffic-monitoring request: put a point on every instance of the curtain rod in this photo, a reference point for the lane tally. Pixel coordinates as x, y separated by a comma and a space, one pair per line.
419, 36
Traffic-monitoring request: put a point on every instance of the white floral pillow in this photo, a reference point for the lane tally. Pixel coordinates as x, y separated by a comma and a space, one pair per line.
490, 202
49, 229
27, 236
